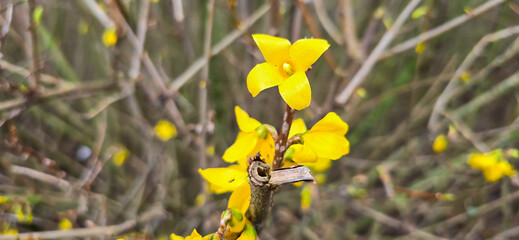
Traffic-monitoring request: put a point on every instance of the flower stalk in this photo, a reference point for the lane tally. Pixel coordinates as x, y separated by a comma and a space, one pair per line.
281, 141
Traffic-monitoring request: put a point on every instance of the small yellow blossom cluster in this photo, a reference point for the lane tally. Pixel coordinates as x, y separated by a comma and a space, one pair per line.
493, 165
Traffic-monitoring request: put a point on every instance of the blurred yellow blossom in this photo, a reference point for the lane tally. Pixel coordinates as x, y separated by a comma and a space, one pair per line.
120, 156
3, 199
64, 224
253, 137
361, 92
165, 130
10, 231
420, 47
209, 150
440, 143
306, 198
420, 12
285, 67
493, 165
109, 37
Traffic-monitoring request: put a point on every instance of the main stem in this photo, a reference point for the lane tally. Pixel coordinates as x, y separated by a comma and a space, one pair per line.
281, 140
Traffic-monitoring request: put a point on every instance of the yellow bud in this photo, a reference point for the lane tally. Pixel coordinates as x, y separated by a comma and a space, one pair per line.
440, 143
64, 224
110, 37
120, 156
3, 199
209, 150
361, 92
420, 47
165, 130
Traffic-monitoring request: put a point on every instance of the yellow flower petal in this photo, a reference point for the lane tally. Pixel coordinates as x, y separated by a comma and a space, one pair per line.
245, 123
224, 178
327, 139
165, 130
327, 145
194, 236
493, 174
175, 237
263, 76
305, 52
320, 165
244, 144
331, 123
296, 91
481, 161
303, 153
298, 126
240, 197
266, 148
506, 168
440, 143
274, 49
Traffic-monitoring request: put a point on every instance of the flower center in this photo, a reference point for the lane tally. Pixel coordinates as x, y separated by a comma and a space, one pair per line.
288, 69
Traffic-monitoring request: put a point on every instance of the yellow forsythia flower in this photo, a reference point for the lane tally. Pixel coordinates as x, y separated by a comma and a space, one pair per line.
493, 165
165, 130
253, 138
109, 37
64, 224
324, 140
420, 47
285, 67
120, 156
440, 143
10, 232
3, 199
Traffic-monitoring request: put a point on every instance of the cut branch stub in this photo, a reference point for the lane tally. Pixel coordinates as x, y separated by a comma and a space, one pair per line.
264, 182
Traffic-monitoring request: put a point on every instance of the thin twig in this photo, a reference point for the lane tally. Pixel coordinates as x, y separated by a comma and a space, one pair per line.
354, 47
34, 46
58, 182
93, 87
217, 48
315, 32
327, 23
366, 67
441, 104
426, 36
142, 27
394, 223
281, 140
89, 232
